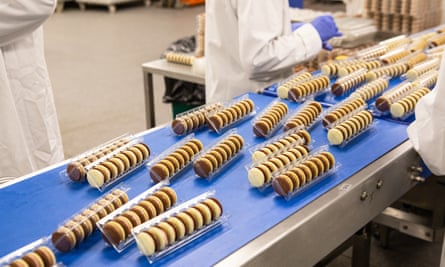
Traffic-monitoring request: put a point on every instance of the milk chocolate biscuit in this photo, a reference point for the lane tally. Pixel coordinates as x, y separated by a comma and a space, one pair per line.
124, 159
157, 203
113, 232
294, 178
118, 163
292, 158
229, 116
277, 163
261, 128
329, 119
85, 223
47, 255
227, 149
203, 167
189, 123
215, 207
296, 153
109, 207
205, 212
159, 236
125, 223
179, 227
141, 212
249, 103
176, 164
33, 259
330, 157
144, 149
215, 122
171, 194
312, 167
212, 160
242, 107
114, 171
189, 151
76, 172
97, 177
230, 144
179, 158
319, 164
219, 159
335, 136
169, 165
282, 185
301, 174
146, 243
168, 230
196, 216
131, 156
149, 208
63, 239
165, 198
195, 121
18, 263
99, 210
121, 194
184, 154
325, 161
133, 217
188, 222
285, 160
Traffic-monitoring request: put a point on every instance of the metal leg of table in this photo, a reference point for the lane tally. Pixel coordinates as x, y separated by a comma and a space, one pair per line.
361, 247
442, 255
149, 100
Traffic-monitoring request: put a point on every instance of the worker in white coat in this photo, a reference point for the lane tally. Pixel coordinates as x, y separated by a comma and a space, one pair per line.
427, 132
250, 44
29, 133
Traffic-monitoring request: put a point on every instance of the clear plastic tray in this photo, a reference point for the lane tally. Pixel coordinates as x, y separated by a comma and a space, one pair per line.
428, 79
255, 168
156, 178
93, 154
383, 103
138, 162
258, 131
209, 175
372, 90
347, 83
405, 115
220, 129
181, 126
302, 141
73, 231
354, 136
298, 112
295, 79
188, 238
421, 68
40, 250
121, 246
328, 125
310, 89
315, 180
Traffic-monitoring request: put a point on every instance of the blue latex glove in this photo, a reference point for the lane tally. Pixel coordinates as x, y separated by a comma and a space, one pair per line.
296, 25
326, 27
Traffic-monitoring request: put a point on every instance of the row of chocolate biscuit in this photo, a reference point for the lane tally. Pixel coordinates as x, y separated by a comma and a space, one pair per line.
343, 110
305, 117
300, 137
369, 65
350, 127
371, 89
228, 115
383, 102
117, 164
348, 82
76, 169
178, 226
269, 119
193, 120
310, 87
421, 68
283, 89
41, 256
407, 104
175, 161
262, 173
394, 70
81, 225
296, 177
118, 229
218, 155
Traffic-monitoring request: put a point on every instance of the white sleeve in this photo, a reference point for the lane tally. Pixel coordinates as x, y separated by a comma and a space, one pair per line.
20, 17
266, 41
427, 132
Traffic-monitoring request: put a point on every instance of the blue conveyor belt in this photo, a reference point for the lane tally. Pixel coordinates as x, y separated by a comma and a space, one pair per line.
35, 207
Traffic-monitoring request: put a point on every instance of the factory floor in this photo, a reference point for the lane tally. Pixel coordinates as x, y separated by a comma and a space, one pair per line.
94, 60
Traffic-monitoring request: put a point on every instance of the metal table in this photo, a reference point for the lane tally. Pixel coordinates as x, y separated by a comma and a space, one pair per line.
166, 69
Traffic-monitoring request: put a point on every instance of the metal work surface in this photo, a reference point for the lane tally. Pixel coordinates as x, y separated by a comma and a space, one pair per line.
166, 69
312, 223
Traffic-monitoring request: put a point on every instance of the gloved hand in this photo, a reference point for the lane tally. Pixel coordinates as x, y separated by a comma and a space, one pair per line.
326, 27
296, 25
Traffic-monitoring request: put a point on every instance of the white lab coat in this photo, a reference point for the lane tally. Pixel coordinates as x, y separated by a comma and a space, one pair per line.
427, 132
29, 136
249, 44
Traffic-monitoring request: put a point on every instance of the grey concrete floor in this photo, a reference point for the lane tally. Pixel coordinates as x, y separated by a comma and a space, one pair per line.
94, 59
